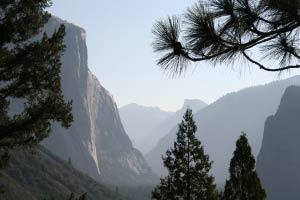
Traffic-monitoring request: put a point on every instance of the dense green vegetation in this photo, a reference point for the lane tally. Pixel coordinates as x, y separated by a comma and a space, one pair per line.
43, 175
30, 74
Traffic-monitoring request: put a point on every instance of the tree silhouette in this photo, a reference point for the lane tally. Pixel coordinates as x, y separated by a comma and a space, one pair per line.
221, 31
244, 182
81, 197
188, 167
30, 75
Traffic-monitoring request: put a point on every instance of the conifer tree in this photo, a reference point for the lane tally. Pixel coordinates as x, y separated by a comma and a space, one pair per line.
29, 74
244, 183
188, 167
226, 31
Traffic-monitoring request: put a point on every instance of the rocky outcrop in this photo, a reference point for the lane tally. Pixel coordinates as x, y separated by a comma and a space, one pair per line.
96, 143
278, 161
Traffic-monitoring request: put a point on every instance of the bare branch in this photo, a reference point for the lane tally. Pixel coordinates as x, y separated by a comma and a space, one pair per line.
270, 69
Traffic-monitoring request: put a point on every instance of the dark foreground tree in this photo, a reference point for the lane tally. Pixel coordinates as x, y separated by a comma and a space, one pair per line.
188, 167
29, 74
221, 31
72, 197
243, 183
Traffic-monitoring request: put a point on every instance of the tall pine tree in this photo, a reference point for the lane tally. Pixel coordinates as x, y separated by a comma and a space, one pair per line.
244, 184
188, 167
29, 74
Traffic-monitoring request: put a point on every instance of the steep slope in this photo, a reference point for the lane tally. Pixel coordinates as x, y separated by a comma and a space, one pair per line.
139, 120
165, 126
44, 175
221, 123
96, 142
278, 161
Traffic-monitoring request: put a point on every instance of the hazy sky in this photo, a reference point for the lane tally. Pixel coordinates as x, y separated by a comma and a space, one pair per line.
120, 54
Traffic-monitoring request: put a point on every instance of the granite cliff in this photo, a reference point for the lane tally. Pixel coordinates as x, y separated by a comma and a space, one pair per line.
96, 143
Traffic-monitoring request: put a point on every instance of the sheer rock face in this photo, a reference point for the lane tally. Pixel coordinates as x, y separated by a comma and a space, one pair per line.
96, 137
278, 161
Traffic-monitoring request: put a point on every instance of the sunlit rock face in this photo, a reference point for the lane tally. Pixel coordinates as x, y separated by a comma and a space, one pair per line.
96, 142
278, 161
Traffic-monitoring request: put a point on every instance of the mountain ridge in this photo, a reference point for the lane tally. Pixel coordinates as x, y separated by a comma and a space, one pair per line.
149, 123
138, 120
221, 123
165, 126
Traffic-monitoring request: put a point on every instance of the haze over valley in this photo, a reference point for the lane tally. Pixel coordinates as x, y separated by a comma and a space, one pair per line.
115, 101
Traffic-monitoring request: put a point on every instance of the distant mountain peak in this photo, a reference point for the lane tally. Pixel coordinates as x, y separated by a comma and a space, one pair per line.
188, 102
138, 120
139, 106
194, 104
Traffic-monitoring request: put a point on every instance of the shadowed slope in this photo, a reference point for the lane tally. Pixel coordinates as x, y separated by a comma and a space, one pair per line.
278, 161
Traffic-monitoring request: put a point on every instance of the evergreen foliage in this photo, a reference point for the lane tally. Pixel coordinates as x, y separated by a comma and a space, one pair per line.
72, 197
243, 183
229, 30
30, 75
43, 175
188, 167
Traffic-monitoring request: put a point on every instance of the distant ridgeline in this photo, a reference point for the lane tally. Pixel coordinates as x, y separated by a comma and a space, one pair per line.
147, 125
221, 123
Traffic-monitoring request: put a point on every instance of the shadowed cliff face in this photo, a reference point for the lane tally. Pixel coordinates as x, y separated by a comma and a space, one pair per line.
97, 136
278, 162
